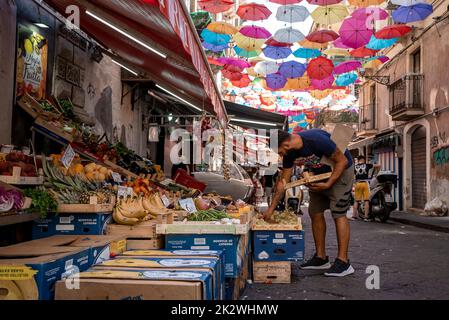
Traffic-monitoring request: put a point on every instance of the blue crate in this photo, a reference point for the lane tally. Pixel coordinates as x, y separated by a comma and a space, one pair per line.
278, 245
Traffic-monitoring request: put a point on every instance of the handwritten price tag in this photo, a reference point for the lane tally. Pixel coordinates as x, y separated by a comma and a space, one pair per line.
165, 200
124, 192
116, 177
188, 205
68, 156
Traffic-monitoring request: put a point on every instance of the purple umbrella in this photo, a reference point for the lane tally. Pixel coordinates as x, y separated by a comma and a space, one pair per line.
275, 81
347, 66
255, 32
355, 33
292, 69
373, 13
339, 44
215, 48
276, 52
242, 64
323, 84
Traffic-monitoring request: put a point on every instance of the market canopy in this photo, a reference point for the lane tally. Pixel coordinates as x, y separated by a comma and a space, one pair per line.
156, 37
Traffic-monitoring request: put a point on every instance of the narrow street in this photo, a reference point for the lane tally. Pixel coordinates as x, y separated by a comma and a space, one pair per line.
412, 263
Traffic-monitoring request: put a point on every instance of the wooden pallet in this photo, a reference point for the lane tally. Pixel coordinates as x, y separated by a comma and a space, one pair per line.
272, 272
142, 230
17, 179
277, 227
92, 207
308, 179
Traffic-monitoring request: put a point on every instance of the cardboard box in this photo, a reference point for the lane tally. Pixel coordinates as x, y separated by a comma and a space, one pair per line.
71, 224
229, 243
34, 277
139, 284
272, 272
271, 245
211, 264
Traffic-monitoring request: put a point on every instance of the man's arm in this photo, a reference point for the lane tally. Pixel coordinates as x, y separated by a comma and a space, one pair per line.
340, 163
284, 178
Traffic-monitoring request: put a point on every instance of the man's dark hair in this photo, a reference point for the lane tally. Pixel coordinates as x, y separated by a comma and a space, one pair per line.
361, 157
282, 137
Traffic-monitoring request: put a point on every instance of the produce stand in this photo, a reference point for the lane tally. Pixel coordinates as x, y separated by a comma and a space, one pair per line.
92, 207
17, 179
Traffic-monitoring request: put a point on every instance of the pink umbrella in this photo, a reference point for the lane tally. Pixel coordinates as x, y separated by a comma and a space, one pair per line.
354, 33
285, 2
324, 2
232, 73
374, 13
347, 66
322, 36
255, 32
239, 63
323, 84
339, 44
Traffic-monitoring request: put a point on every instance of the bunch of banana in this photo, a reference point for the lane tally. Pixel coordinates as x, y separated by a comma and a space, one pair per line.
154, 205
130, 211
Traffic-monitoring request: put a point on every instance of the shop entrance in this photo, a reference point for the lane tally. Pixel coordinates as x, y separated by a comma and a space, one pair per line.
419, 175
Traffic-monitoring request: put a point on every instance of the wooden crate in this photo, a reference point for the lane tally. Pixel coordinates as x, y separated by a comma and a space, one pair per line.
198, 227
52, 129
92, 207
33, 107
272, 272
118, 169
145, 244
143, 230
17, 179
277, 227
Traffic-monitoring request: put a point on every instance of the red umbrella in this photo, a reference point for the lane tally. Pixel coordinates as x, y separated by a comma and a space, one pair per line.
320, 68
324, 2
285, 2
232, 73
393, 31
243, 82
216, 6
362, 52
214, 62
273, 43
253, 11
323, 36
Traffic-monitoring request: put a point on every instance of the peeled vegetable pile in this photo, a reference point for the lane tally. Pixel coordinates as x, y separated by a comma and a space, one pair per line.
284, 218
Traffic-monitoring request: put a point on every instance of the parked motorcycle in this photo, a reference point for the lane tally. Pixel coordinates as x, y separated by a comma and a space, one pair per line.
381, 202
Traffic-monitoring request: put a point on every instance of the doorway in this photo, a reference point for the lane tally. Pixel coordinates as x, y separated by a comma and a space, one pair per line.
419, 172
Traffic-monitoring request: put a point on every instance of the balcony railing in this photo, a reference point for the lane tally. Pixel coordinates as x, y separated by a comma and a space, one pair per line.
406, 97
367, 125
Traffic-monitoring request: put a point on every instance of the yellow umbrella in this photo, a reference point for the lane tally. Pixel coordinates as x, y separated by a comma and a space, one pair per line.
251, 72
373, 64
336, 52
365, 3
297, 83
249, 44
330, 14
222, 28
312, 45
320, 94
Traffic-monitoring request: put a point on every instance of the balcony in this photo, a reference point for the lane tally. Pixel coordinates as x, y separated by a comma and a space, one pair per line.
367, 126
406, 100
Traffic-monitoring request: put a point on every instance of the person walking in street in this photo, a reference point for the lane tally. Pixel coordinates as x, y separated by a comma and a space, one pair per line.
334, 194
362, 172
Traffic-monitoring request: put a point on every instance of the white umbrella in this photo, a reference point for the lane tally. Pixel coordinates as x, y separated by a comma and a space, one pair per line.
407, 2
288, 35
292, 13
266, 67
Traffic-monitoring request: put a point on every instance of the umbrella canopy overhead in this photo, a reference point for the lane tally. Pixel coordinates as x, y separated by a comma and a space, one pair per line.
292, 13
216, 6
347, 66
330, 14
393, 31
255, 32
378, 44
276, 53
336, 52
222, 28
312, 45
416, 12
346, 79
215, 48
324, 2
320, 68
266, 67
275, 81
354, 33
247, 43
274, 43
340, 45
307, 53
323, 84
320, 94
246, 54
288, 35
243, 82
362, 52
285, 2
253, 11
292, 69
215, 38
241, 64
407, 2
365, 3
298, 83
232, 73
323, 36
374, 13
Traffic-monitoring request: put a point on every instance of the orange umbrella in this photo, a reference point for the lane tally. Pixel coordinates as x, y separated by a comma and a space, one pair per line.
222, 27
362, 52
320, 94
312, 45
243, 82
365, 3
297, 83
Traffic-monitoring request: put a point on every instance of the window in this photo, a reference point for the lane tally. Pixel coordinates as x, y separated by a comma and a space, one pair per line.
373, 106
416, 61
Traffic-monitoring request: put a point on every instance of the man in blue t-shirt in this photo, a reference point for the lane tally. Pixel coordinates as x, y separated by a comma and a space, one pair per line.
334, 194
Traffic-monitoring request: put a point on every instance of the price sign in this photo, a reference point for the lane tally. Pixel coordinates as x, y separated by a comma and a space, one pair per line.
68, 156
165, 200
124, 192
188, 205
116, 177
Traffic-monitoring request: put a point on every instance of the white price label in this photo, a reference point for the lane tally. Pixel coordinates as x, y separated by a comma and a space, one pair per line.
188, 205
116, 177
68, 156
165, 200
124, 192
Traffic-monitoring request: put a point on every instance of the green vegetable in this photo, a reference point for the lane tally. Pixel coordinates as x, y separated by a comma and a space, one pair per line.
207, 215
42, 201
67, 108
47, 106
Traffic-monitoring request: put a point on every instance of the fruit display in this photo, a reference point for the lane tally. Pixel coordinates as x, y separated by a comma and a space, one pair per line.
24, 162
285, 218
207, 215
132, 210
139, 186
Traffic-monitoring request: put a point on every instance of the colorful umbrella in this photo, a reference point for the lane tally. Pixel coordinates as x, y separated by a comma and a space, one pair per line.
215, 6
285, 2
288, 35
274, 43
354, 33
340, 45
324, 2
336, 52
276, 52
378, 44
222, 28
320, 68
307, 53
246, 54
243, 82
346, 79
407, 2
215, 38
362, 52
365, 3
393, 31
323, 84
292, 69
322, 36
372, 64
251, 72
320, 94
292, 13
416, 12
312, 45
297, 83
347, 66
255, 32
275, 81
214, 62
266, 67
253, 11
232, 73
374, 13
329, 14
247, 43
242, 64
215, 48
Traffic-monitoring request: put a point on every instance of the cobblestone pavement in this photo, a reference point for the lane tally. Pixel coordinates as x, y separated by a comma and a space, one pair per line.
413, 263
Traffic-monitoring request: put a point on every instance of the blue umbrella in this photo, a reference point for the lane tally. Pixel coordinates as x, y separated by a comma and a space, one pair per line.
274, 52
275, 81
292, 69
378, 44
215, 38
215, 48
416, 12
307, 53
346, 79
246, 54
